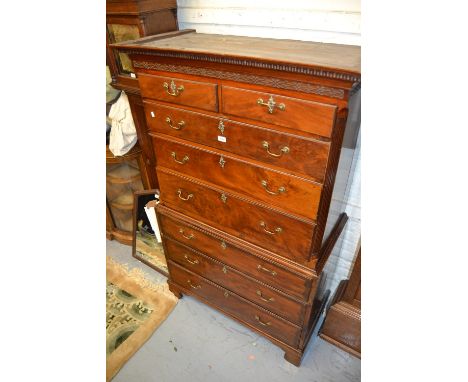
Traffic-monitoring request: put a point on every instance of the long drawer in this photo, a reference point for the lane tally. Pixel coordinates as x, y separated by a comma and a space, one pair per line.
202, 95
280, 233
294, 113
292, 152
265, 271
227, 277
279, 189
235, 305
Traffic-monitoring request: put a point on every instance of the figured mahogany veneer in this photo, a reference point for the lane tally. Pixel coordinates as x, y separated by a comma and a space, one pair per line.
255, 291
256, 223
287, 192
312, 117
253, 154
239, 307
303, 154
266, 271
188, 93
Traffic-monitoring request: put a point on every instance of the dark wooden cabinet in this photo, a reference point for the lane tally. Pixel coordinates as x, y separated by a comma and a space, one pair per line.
342, 325
124, 175
253, 149
130, 20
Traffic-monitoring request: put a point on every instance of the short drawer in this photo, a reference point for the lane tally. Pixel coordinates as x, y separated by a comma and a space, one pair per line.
285, 191
202, 95
265, 271
233, 280
292, 152
312, 117
280, 233
238, 307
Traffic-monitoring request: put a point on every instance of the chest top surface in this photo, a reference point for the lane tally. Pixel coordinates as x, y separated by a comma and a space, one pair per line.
345, 59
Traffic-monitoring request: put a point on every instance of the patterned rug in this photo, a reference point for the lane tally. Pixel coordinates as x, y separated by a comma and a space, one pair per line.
135, 307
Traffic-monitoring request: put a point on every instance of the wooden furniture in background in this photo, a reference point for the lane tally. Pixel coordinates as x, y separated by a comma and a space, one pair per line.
342, 325
130, 20
252, 141
124, 175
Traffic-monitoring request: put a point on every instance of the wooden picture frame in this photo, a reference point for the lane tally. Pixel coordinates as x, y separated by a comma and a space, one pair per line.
145, 246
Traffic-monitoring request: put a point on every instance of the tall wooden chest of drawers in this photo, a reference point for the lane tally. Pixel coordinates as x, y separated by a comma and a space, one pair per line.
253, 154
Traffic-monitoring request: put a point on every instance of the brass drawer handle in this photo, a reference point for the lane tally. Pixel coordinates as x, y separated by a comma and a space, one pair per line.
260, 268
179, 126
277, 229
280, 189
184, 160
271, 104
175, 91
179, 192
193, 286
261, 322
271, 299
189, 237
194, 262
283, 150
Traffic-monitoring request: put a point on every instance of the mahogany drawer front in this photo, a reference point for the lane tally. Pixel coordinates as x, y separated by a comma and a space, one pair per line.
235, 305
201, 95
309, 116
231, 279
264, 271
287, 236
291, 193
292, 152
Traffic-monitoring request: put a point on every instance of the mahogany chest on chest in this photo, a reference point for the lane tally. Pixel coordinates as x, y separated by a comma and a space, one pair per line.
253, 154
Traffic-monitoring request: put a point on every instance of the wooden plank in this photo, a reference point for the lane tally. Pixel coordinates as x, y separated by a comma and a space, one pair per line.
345, 58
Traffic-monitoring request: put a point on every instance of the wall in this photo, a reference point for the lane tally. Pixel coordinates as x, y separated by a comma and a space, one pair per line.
333, 21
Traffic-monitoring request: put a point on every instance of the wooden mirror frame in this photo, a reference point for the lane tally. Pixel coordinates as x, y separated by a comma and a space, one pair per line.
136, 196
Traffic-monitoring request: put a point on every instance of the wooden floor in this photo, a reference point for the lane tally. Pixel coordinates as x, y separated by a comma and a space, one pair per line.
196, 343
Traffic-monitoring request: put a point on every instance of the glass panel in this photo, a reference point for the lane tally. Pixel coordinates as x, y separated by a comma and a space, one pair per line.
126, 63
148, 246
119, 33
122, 179
111, 93
123, 32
